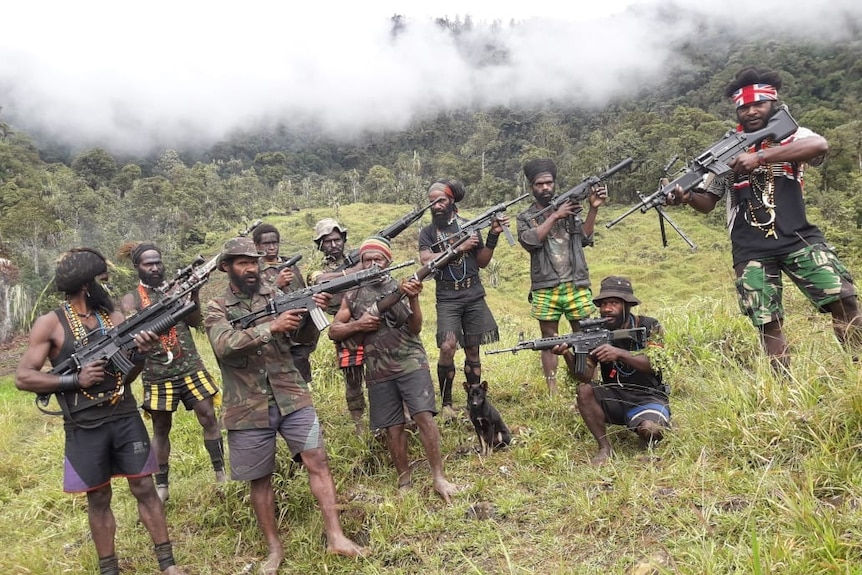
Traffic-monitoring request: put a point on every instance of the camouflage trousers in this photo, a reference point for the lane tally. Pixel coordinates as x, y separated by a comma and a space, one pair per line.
815, 269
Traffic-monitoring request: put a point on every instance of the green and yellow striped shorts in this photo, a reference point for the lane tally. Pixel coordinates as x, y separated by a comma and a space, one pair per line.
565, 299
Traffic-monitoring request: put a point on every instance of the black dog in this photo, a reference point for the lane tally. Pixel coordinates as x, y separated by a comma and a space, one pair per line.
492, 432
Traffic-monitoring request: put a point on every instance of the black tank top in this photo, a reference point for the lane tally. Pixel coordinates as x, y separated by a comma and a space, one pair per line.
97, 414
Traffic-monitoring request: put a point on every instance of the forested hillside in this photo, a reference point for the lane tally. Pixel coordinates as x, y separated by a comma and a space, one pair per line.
188, 200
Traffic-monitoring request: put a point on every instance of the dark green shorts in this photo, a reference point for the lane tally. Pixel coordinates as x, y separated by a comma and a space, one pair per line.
816, 271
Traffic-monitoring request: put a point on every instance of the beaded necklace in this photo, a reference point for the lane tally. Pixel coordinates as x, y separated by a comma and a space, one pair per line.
168, 340
461, 259
82, 335
762, 183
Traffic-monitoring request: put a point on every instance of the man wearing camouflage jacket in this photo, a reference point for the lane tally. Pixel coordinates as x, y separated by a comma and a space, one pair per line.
265, 395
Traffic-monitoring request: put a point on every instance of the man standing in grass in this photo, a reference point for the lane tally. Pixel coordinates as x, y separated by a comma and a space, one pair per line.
265, 395
770, 233
330, 237
267, 240
463, 317
559, 276
396, 365
174, 371
631, 392
105, 435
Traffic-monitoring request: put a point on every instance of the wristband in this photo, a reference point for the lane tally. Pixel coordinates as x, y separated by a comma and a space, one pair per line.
68, 382
761, 157
492, 240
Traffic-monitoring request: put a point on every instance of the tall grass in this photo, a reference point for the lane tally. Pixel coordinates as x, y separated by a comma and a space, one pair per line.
759, 474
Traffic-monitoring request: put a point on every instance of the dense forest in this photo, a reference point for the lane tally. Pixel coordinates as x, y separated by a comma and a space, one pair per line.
54, 197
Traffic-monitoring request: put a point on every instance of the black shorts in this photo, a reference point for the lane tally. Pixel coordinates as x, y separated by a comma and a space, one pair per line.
385, 398
471, 322
625, 406
118, 448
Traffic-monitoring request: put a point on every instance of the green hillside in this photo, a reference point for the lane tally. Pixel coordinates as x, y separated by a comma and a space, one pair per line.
758, 475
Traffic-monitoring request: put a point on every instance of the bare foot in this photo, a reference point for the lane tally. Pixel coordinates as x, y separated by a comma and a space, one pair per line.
341, 545
601, 457
446, 490
220, 476
273, 562
173, 570
404, 487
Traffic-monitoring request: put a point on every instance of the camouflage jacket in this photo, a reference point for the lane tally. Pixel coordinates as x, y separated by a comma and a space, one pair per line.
256, 364
330, 265
392, 350
185, 357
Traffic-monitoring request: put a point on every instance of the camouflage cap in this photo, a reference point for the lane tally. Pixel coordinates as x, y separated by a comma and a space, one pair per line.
325, 226
239, 246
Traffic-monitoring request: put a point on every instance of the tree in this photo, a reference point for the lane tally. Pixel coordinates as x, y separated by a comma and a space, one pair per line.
96, 167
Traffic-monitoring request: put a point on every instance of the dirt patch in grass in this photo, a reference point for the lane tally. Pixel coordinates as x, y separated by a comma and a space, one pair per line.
10, 353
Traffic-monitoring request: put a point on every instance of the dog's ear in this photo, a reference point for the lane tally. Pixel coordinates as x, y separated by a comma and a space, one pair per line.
484, 385
466, 386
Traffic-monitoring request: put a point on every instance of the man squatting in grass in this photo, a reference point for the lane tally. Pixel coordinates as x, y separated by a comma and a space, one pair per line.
267, 240
265, 395
559, 276
770, 234
631, 392
396, 365
330, 238
463, 316
107, 438
173, 371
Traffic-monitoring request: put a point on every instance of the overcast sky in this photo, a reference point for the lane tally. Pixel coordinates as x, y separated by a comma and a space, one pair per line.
128, 75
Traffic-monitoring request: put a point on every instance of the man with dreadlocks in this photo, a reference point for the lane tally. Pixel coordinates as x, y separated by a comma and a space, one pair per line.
107, 437
770, 233
463, 317
173, 371
559, 276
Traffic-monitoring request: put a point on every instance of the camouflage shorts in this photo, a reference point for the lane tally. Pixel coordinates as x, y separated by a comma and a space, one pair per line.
816, 271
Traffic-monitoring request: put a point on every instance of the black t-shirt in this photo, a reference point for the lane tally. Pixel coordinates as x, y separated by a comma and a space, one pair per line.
459, 269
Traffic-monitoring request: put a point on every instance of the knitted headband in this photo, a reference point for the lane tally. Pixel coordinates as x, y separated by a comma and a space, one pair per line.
376, 244
754, 93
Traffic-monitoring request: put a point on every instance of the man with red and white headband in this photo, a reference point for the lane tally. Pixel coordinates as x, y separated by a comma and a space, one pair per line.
769, 231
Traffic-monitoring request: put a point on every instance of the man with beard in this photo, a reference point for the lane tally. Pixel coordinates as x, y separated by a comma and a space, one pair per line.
267, 240
107, 437
330, 238
463, 317
559, 276
174, 371
396, 365
770, 234
631, 392
265, 395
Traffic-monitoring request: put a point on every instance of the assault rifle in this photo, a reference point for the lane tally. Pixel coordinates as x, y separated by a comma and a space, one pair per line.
114, 345
303, 299
388, 232
484, 221
582, 190
715, 161
582, 342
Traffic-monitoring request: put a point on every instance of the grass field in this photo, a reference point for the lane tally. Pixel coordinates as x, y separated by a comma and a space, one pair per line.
757, 476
